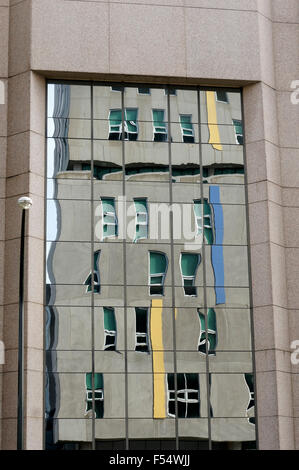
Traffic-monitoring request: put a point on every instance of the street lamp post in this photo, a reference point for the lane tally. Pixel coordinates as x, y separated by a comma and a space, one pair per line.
25, 203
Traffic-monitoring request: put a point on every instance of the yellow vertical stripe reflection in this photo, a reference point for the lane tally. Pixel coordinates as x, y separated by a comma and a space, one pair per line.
158, 359
212, 121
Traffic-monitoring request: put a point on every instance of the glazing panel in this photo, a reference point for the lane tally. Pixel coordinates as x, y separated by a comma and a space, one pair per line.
188, 269
146, 161
109, 332
68, 263
110, 362
69, 128
184, 103
227, 223
187, 388
67, 157
67, 396
150, 191
108, 218
147, 396
106, 189
67, 328
75, 187
225, 160
185, 162
110, 434
148, 104
149, 329
69, 434
70, 362
185, 193
226, 266
183, 301
232, 396
68, 295
219, 106
231, 330
230, 361
149, 266
151, 434
105, 99
110, 295
185, 130
153, 363
69, 101
224, 177
188, 329
191, 361
68, 220
222, 134
195, 429
148, 222
107, 160
110, 264
232, 434
226, 193
228, 297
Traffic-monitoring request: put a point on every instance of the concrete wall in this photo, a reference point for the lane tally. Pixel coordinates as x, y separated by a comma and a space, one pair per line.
176, 41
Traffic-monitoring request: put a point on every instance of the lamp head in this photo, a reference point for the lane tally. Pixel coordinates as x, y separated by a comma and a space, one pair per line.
25, 202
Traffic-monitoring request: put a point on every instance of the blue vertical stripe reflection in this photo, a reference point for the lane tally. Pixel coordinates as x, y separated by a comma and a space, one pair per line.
217, 248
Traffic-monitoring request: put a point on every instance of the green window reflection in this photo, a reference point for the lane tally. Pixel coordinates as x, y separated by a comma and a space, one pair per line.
141, 219
98, 394
109, 329
96, 274
142, 340
211, 334
238, 125
131, 126
115, 124
187, 128
204, 212
158, 269
188, 395
160, 131
189, 263
109, 218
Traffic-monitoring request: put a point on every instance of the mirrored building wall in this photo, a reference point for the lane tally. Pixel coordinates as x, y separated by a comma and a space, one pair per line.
148, 322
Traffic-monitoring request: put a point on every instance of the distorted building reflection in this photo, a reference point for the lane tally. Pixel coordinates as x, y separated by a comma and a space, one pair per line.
147, 337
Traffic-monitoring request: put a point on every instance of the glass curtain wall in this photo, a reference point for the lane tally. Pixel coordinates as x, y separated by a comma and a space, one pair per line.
148, 320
